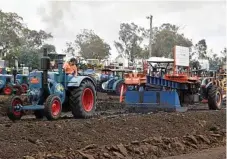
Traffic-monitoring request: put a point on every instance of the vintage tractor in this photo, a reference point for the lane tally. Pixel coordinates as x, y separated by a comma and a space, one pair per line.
115, 82
9, 84
166, 87
50, 93
213, 90
22, 80
104, 76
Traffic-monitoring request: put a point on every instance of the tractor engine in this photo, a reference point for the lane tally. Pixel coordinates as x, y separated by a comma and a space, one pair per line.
34, 96
35, 87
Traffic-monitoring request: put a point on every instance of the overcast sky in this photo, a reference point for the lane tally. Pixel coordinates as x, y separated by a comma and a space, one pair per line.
204, 19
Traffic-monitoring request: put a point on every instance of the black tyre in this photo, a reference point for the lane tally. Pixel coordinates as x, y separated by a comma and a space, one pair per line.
100, 88
214, 98
53, 107
11, 112
118, 88
39, 114
83, 100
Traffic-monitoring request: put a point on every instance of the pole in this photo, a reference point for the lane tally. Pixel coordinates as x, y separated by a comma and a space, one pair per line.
150, 39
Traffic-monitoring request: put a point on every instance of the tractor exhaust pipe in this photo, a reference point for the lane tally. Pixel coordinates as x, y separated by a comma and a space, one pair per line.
45, 66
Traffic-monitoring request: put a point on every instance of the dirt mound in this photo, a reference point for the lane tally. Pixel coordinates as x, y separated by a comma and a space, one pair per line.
153, 147
137, 134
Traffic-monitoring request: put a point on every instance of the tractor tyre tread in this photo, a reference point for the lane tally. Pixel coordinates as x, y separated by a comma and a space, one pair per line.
212, 104
47, 108
75, 100
10, 113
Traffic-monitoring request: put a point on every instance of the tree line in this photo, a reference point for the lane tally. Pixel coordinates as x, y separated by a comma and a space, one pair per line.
19, 42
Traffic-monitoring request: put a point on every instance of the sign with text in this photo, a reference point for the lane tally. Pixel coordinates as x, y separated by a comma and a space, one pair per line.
181, 56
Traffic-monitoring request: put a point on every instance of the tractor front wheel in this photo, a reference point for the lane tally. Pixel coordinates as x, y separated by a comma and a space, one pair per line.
11, 112
214, 98
52, 107
7, 90
83, 100
24, 87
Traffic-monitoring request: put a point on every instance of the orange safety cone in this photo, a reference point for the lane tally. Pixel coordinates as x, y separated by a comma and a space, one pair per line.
121, 94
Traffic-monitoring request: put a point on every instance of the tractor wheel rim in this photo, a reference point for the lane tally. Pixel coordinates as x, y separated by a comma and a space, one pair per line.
24, 87
88, 99
16, 102
56, 107
218, 98
7, 90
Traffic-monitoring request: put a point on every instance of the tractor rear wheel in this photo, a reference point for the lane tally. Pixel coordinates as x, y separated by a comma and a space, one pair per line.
214, 98
18, 89
52, 107
11, 112
83, 100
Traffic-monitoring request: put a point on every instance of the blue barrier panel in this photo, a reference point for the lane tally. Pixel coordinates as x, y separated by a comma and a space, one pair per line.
165, 99
169, 99
132, 97
149, 97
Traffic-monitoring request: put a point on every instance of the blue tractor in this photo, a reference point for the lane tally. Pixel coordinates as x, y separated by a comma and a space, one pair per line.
22, 80
114, 83
50, 93
12, 84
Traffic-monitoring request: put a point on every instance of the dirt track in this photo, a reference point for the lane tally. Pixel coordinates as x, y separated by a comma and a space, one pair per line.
114, 136
214, 153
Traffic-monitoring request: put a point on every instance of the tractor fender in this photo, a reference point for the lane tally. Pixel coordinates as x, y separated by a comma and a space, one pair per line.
2, 84
76, 81
109, 83
116, 82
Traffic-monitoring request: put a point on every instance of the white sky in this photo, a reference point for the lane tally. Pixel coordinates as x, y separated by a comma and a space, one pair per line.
65, 19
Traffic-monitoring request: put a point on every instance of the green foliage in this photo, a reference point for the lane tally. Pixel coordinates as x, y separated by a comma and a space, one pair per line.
90, 46
165, 38
70, 48
130, 38
201, 47
16, 40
